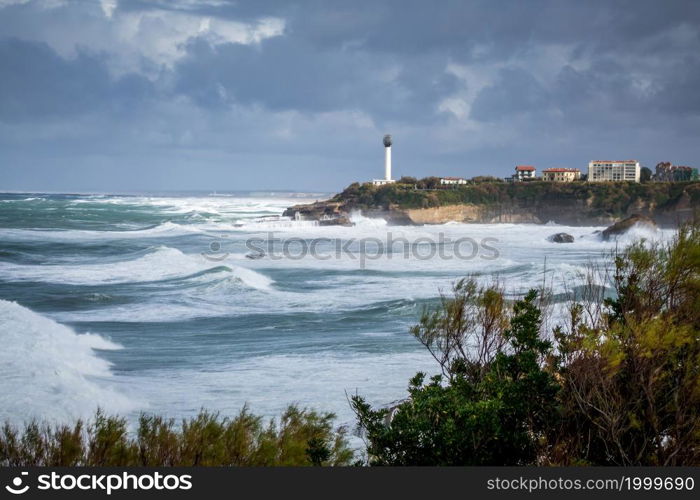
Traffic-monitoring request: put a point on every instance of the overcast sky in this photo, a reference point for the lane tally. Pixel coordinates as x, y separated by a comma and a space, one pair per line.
124, 95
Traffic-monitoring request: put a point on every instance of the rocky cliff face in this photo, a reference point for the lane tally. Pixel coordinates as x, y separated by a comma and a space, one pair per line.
578, 212
513, 214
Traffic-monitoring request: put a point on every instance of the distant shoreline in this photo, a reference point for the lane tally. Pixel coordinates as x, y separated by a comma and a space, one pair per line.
575, 203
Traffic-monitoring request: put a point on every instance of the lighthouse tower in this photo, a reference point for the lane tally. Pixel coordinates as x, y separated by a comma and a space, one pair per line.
387, 157
387, 163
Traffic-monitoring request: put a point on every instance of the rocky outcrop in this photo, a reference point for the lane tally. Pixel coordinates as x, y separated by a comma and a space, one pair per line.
340, 220
561, 238
327, 213
316, 211
621, 227
580, 205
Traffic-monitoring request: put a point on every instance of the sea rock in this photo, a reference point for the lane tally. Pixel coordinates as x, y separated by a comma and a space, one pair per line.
340, 220
621, 227
561, 238
315, 211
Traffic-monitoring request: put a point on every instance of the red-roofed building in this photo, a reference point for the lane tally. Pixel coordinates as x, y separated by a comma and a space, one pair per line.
524, 172
561, 174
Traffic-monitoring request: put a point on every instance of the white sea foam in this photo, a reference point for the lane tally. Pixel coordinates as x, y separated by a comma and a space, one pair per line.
639, 232
49, 371
198, 224
19, 201
166, 229
360, 220
252, 278
229, 206
268, 383
162, 264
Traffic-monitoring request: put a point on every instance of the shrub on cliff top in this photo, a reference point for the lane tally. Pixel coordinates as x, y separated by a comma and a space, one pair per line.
608, 198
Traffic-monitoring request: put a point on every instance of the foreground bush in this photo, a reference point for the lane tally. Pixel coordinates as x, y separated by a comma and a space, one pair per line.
620, 387
494, 400
300, 438
631, 371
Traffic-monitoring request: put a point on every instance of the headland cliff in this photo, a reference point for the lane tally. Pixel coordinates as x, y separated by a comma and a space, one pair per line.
575, 203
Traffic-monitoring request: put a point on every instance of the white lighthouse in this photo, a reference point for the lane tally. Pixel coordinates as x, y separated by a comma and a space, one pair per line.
387, 163
387, 157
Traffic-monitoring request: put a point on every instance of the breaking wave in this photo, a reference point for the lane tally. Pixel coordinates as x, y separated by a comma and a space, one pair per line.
164, 263
47, 370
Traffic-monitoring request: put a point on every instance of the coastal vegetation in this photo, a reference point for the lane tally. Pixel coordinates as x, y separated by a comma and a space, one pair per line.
301, 437
614, 380
618, 383
604, 198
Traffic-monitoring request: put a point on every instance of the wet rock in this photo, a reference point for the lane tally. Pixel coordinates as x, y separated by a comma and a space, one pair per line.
561, 238
621, 227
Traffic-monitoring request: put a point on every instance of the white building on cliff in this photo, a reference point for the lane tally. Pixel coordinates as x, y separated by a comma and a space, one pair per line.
614, 171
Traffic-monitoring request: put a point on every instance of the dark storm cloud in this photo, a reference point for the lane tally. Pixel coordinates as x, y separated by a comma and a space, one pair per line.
333, 56
465, 86
455, 27
286, 73
515, 91
37, 83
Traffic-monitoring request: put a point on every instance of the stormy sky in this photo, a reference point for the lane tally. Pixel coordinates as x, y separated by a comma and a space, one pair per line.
127, 95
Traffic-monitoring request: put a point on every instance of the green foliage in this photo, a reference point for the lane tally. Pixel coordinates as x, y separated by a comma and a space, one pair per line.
108, 442
622, 386
412, 181
429, 183
494, 399
301, 438
613, 199
632, 375
486, 178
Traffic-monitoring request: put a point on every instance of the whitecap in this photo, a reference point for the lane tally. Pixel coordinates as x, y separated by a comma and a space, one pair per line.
47, 370
360, 220
162, 264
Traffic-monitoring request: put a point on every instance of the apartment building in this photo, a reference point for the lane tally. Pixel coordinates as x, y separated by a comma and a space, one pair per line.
614, 171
